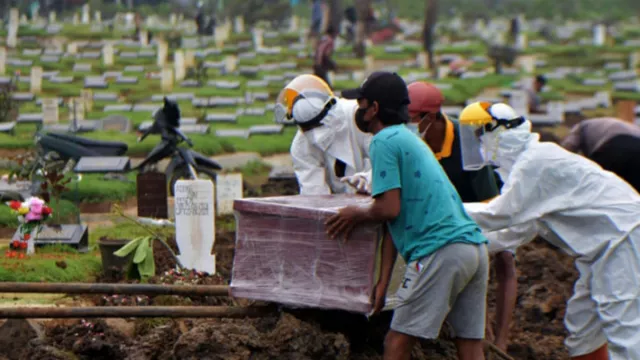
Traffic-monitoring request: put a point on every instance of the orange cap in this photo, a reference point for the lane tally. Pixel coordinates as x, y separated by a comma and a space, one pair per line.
424, 97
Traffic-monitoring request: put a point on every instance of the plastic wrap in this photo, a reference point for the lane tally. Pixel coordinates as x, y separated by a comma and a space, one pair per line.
283, 254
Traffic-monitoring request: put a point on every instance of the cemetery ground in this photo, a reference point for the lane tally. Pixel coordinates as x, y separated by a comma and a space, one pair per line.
225, 93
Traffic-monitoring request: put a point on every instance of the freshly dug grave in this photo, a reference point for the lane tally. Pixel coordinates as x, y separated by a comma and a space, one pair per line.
545, 281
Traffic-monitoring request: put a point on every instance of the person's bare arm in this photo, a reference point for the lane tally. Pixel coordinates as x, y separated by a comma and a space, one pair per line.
506, 296
388, 258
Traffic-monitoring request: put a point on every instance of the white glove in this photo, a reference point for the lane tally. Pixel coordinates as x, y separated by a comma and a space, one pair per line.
360, 181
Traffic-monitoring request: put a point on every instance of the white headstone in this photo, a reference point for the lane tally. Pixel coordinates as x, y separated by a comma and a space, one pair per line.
107, 54
50, 114
293, 25
195, 224
144, 37
522, 42
220, 37
173, 19
52, 17
166, 79
443, 72
228, 188
599, 35
634, 60
72, 48
257, 38
3, 60
519, 101
555, 110
77, 109
86, 17
36, 80
98, 17
178, 63
76, 19
14, 23
163, 51
87, 99
527, 64
230, 63
190, 58
603, 98
238, 25
422, 60
368, 63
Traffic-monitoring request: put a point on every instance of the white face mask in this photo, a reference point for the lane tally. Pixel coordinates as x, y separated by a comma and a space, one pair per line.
322, 137
415, 127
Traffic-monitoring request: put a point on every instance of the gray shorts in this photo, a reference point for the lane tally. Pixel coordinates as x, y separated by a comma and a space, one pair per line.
450, 284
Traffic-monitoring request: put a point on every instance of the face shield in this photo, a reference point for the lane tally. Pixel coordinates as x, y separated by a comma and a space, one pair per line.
308, 87
480, 126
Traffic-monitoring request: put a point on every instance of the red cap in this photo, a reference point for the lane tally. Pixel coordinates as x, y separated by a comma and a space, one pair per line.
424, 97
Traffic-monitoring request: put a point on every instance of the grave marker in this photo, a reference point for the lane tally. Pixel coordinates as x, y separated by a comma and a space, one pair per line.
166, 79
634, 60
422, 60
519, 102
151, 188
144, 38
50, 113
72, 48
36, 80
238, 24
521, 42
77, 110
528, 64
3, 60
173, 19
230, 63
52, 17
86, 18
87, 98
107, 55
14, 22
178, 63
228, 188
195, 224
599, 35
258, 40
76, 19
190, 59
293, 25
368, 64
98, 17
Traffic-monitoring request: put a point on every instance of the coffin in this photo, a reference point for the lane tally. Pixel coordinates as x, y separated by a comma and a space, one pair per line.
284, 255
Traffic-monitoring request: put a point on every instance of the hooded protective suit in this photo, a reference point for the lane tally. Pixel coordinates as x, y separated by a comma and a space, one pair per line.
589, 213
314, 152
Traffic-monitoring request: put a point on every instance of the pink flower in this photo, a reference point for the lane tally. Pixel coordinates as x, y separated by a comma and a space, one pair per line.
31, 216
35, 205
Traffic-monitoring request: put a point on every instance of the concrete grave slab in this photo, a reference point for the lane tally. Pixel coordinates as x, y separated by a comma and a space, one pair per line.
257, 83
190, 83
128, 55
87, 126
233, 133
200, 102
31, 52
23, 96
30, 118
134, 68
274, 78
81, 68
127, 80
627, 86
59, 100
19, 62
47, 59
194, 128
624, 75
219, 117
269, 51
288, 65
112, 74
261, 96
223, 101
174, 96
93, 82
57, 128
595, 82
250, 71
61, 79
7, 127
614, 66
254, 111
146, 107
105, 96
247, 55
117, 123
146, 54
119, 107
91, 55
220, 84
213, 65
266, 129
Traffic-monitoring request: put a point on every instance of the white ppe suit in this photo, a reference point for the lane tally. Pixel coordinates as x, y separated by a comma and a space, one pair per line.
589, 213
314, 152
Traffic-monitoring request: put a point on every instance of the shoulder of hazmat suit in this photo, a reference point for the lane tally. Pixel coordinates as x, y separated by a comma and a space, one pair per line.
330, 135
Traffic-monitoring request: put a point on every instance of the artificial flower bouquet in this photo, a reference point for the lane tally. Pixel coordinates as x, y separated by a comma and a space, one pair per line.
31, 214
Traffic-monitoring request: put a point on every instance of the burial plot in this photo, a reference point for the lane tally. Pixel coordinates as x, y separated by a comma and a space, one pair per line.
623, 75
95, 82
47, 59
36, 80
224, 84
241, 133
116, 123
81, 68
105, 96
190, 83
119, 107
152, 195
33, 118
248, 71
134, 69
174, 97
50, 111
594, 82
61, 79
266, 129
195, 224
224, 118
127, 80
75, 236
194, 128
146, 107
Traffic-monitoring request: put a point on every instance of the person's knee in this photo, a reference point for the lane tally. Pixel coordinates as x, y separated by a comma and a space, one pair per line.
399, 343
470, 349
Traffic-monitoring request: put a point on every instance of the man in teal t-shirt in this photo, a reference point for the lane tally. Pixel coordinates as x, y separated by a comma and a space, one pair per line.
446, 254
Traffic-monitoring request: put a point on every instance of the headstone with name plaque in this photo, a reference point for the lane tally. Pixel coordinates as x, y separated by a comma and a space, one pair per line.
50, 111
195, 224
152, 195
228, 188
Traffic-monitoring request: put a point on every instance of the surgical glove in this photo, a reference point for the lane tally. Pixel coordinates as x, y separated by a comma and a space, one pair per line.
359, 181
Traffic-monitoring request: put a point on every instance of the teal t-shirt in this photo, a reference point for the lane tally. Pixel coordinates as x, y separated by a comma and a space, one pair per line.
431, 214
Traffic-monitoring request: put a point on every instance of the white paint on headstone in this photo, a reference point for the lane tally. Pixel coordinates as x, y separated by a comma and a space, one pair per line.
228, 188
107, 54
230, 63
238, 25
72, 48
599, 35
257, 38
173, 19
178, 63
14, 23
422, 60
98, 17
519, 101
50, 112
163, 51
527, 64
166, 79
36, 80
3, 60
86, 17
522, 41
52, 17
195, 224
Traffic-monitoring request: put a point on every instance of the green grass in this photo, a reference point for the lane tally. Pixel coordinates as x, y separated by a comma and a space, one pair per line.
93, 188
42, 266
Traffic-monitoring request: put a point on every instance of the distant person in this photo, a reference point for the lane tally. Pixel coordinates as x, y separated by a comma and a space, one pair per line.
612, 143
316, 18
533, 93
322, 61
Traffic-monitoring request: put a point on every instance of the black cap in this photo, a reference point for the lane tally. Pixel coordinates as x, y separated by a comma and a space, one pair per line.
387, 88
